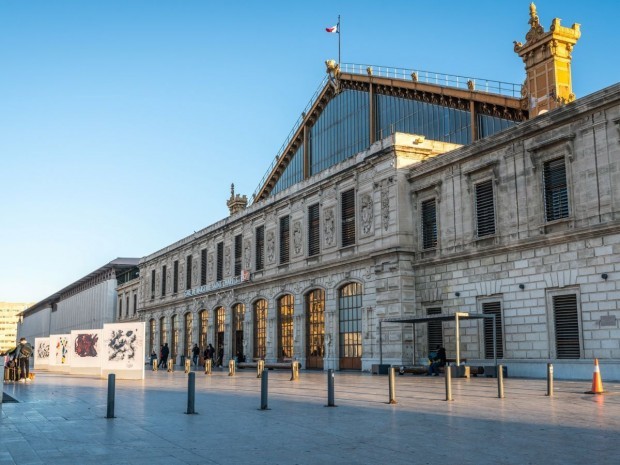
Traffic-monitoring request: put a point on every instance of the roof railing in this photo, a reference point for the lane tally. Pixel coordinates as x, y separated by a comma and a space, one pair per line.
428, 77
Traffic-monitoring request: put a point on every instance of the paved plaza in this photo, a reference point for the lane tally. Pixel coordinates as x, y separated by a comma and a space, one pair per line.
60, 419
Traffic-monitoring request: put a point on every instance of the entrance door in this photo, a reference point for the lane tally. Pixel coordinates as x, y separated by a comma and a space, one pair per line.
315, 327
220, 316
350, 326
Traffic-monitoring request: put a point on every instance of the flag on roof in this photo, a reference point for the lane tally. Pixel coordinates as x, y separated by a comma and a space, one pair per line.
333, 29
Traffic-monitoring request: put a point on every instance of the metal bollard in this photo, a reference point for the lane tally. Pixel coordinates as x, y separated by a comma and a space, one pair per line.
111, 388
231, 367
264, 386
295, 371
550, 379
208, 366
188, 365
448, 370
260, 367
392, 384
330, 388
191, 393
500, 381
170, 366
155, 365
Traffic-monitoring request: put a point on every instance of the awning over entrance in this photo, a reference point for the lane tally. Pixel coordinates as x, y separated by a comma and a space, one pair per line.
457, 316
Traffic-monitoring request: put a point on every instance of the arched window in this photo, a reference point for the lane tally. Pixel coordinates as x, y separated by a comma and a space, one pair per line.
260, 329
220, 319
163, 330
315, 328
286, 307
238, 312
350, 326
175, 337
152, 336
189, 320
202, 338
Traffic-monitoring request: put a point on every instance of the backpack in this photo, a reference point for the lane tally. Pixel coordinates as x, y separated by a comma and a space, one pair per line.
25, 351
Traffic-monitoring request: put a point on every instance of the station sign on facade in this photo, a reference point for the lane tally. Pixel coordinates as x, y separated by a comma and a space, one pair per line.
224, 283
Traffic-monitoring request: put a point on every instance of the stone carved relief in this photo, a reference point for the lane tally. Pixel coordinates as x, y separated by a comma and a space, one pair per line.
329, 226
367, 213
297, 237
210, 267
247, 254
385, 207
271, 246
227, 260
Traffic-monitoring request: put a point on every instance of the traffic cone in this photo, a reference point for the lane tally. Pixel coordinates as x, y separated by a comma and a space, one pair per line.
597, 382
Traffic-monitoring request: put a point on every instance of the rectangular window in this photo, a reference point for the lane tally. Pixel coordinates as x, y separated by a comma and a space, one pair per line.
493, 308
347, 206
435, 330
127, 306
314, 238
556, 189
135, 303
429, 224
485, 209
220, 261
120, 308
203, 267
153, 284
238, 254
163, 280
260, 248
285, 241
188, 272
565, 318
175, 277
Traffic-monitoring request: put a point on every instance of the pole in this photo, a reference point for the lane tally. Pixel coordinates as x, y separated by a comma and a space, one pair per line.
392, 386
330, 388
339, 40
550, 379
191, 393
448, 382
500, 381
458, 341
111, 387
264, 386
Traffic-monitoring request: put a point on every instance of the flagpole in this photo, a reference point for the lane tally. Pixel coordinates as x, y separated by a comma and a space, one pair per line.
338, 40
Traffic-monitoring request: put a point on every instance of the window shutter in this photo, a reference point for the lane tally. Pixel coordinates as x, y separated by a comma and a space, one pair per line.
556, 189
220, 261
493, 308
260, 247
153, 284
238, 252
203, 267
434, 329
566, 321
175, 278
163, 280
347, 205
485, 209
313, 230
285, 240
429, 224
188, 272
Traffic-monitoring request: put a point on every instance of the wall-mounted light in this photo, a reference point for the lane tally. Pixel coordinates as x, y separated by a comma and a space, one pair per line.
521, 286
604, 276
458, 294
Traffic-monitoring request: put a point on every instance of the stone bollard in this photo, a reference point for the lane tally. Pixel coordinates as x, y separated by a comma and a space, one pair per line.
188, 365
260, 366
170, 366
295, 371
208, 366
155, 365
231, 367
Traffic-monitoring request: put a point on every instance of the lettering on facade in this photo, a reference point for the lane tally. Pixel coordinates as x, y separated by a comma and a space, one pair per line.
228, 282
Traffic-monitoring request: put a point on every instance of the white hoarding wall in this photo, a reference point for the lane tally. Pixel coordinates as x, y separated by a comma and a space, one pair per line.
60, 355
123, 350
85, 346
41, 353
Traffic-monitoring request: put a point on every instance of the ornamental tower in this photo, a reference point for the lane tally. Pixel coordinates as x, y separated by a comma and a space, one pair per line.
547, 58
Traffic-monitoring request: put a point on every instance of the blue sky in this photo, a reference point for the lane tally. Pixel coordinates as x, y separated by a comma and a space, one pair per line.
123, 123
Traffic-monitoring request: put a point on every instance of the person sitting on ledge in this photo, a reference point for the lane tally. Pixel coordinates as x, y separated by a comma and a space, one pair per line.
438, 360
